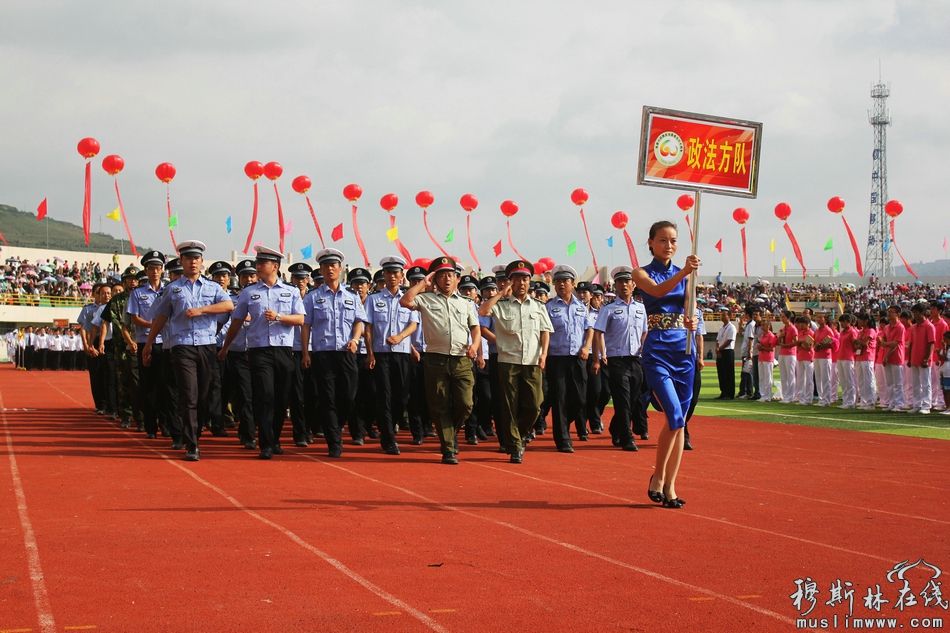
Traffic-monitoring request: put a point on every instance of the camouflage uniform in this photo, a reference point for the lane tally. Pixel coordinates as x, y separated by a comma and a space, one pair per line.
126, 364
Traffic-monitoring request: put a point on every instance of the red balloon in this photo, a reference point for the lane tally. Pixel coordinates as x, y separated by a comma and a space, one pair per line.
273, 170
88, 147
893, 208
165, 172
836, 205
619, 219
113, 164
423, 262
509, 208
685, 202
254, 169
389, 201
782, 211
579, 196
469, 202
741, 215
424, 199
352, 192
301, 184
547, 262
539, 268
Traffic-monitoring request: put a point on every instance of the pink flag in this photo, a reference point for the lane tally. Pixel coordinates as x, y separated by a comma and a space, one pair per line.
259, 243
289, 227
944, 239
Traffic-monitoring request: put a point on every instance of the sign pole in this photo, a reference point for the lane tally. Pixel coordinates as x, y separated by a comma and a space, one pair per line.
689, 309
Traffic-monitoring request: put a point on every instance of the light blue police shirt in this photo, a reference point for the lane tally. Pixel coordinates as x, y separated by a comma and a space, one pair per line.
623, 326
388, 318
571, 322
255, 300
184, 294
331, 317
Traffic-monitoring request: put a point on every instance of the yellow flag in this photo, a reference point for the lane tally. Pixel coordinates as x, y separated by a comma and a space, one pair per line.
783, 264
393, 234
114, 215
772, 247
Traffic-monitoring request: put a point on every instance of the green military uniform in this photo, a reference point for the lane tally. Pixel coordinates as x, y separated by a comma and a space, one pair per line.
126, 362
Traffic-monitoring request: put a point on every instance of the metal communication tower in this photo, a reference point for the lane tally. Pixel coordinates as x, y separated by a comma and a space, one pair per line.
878, 257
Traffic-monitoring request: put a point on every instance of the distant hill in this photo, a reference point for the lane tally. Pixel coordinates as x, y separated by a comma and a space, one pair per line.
21, 228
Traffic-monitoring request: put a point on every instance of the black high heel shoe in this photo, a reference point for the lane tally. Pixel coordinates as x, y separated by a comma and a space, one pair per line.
674, 503
656, 496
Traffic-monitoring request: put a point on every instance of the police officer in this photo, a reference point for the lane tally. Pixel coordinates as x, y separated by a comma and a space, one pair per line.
220, 272
334, 323
568, 352
124, 351
169, 419
488, 289
238, 368
420, 424
364, 410
389, 326
302, 400
151, 380
189, 305
275, 308
449, 322
468, 288
619, 329
522, 333
101, 337
598, 385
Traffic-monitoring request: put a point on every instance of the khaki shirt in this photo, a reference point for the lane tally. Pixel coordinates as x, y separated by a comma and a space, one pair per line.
518, 327
446, 322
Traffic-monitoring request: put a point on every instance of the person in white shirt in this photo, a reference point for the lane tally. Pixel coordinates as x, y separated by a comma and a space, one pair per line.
726, 358
42, 347
55, 350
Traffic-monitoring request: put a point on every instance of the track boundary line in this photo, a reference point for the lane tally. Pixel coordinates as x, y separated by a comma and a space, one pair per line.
44, 610
817, 417
570, 546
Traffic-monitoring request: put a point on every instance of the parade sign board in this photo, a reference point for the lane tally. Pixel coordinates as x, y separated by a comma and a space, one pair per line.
698, 152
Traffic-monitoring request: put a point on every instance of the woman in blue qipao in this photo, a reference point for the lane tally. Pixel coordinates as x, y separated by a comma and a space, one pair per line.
666, 366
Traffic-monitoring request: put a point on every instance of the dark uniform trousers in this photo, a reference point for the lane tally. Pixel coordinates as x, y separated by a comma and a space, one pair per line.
364, 411
303, 402
238, 376
167, 411
194, 366
106, 369
598, 394
41, 359
483, 405
521, 398
28, 357
151, 387
55, 360
541, 425
449, 387
495, 386
334, 378
127, 381
272, 371
567, 385
214, 417
392, 393
95, 381
726, 372
626, 384
420, 424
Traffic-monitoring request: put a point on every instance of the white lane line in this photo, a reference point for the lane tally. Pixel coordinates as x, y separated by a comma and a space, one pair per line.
43, 609
570, 546
816, 417
690, 514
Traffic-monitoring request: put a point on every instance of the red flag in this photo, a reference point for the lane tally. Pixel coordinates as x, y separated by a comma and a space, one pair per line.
498, 248
719, 245
4, 239
41, 210
337, 234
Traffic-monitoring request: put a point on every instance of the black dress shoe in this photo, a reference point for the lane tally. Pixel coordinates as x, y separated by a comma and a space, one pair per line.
393, 450
250, 445
219, 433
373, 434
656, 496
177, 446
472, 440
335, 452
676, 504
581, 438
127, 425
502, 449
266, 454
687, 446
319, 434
615, 441
480, 433
539, 431
515, 457
417, 441
529, 437
359, 441
430, 432
151, 436
309, 438
630, 446
301, 444
278, 450
193, 455
566, 449
450, 458
166, 432
645, 437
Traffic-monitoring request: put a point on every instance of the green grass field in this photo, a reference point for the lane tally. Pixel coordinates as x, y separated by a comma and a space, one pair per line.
934, 426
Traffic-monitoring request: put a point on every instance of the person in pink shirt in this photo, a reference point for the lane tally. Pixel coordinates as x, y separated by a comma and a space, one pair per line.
824, 343
921, 358
845, 362
908, 322
865, 347
766, 345
940, 326
892, 343
880, 379
833, 324
804, 370
787, 360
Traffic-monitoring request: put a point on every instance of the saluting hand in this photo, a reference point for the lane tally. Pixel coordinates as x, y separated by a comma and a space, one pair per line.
429, 281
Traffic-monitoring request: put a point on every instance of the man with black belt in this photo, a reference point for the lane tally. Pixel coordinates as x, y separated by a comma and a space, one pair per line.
420, 424
303, 406
189, 305
522, 333
364, 410
102, 340
334, 324
238, 369
275, 308
389, 326
220, 272
568, 352
169, 420
619, 329
89, 348
726, 357
489, 288
448, 320
151, 381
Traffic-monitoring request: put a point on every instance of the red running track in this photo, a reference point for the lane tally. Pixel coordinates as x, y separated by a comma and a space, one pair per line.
103, 530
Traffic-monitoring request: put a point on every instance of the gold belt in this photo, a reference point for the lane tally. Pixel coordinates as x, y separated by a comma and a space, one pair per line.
665, 321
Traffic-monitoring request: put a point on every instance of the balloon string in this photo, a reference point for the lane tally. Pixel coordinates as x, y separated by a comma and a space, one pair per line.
425, 223
402, 249
87, 202
512, 246
315, 223
280, 218
4, 239
250, 235
468, 231
798, 251
854, 247
589, 245
745, 261
359, 240
125, 220
630, 249
894, 242
168, 200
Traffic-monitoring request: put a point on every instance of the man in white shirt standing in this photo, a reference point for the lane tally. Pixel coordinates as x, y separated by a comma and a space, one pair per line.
726, 358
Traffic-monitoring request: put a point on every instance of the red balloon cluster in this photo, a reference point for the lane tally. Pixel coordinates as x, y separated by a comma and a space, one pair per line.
301, 184
579, 196
273, 170
619, 220
254, 170
352, 192
165, 172
88, 147
509, 208
836, 204
469, 202
893, 208
685, 202
389, 201
782, 211
425, 199
741, 215
544, 265
113, 164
